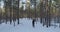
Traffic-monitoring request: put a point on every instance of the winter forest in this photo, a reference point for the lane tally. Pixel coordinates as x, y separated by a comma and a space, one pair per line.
45, 12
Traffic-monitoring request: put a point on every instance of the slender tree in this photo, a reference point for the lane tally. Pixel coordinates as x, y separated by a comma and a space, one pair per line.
50, 2
41, 10
18, 10
10, 11
35, 8
0, 11
5, 2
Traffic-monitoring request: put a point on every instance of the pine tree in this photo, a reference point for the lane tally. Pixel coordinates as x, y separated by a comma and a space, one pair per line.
5, 3
0, 11
41, 10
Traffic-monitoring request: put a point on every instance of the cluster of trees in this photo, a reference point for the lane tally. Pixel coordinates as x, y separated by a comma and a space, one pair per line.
43, 9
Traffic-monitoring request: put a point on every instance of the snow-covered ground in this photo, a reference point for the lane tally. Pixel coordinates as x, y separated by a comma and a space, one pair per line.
26, 26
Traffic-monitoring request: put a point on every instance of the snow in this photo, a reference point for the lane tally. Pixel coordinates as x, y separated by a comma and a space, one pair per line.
26, 26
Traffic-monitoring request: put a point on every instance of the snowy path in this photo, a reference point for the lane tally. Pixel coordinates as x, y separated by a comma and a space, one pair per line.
26, 26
